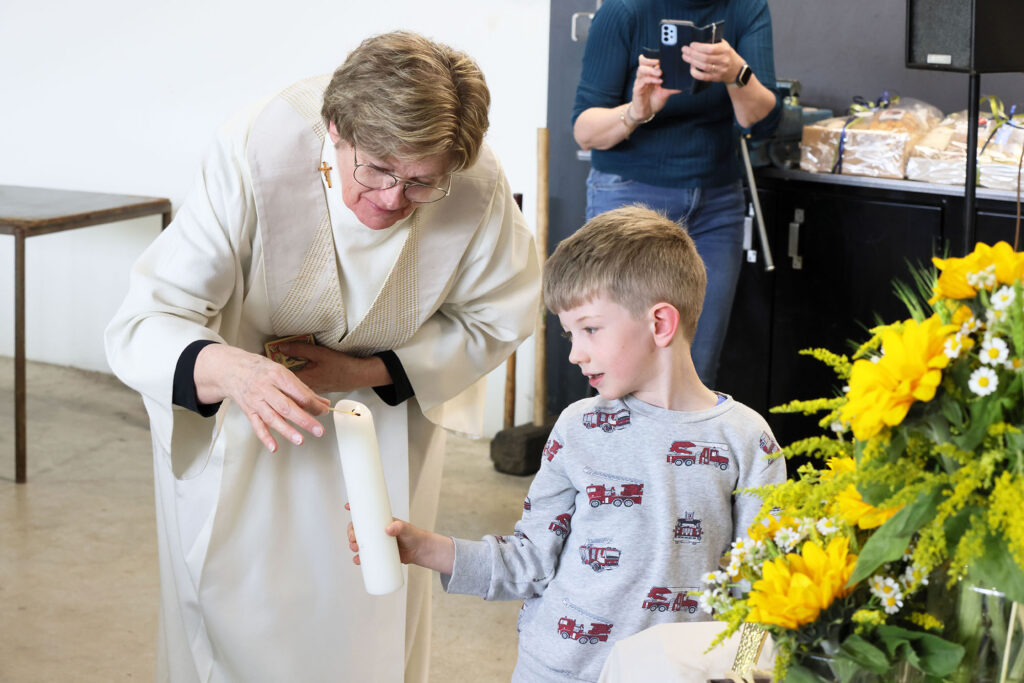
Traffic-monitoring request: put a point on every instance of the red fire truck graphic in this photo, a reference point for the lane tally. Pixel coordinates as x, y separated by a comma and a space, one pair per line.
768, 444
599, 557
607, 421
699, 452
663, 599
688, 530
551, 448
599, 629
628, 493
561, 525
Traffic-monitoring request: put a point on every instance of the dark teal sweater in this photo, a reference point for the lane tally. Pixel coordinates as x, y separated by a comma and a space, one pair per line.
693, 141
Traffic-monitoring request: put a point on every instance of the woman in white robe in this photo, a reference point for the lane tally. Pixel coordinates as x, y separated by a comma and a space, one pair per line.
314, 213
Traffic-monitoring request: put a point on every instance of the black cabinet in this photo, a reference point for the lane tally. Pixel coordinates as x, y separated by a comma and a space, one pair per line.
837, 248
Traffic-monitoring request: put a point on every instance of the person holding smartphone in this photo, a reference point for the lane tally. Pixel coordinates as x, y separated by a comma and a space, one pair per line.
678, 152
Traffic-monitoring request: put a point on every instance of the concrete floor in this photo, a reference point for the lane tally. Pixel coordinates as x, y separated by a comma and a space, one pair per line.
78, 567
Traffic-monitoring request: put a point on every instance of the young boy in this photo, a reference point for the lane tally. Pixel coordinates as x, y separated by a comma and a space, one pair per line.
634, 500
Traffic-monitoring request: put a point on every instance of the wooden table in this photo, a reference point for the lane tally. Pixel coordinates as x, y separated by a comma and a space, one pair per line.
30, 211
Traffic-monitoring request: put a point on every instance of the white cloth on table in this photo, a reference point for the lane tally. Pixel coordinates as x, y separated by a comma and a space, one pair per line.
675, 653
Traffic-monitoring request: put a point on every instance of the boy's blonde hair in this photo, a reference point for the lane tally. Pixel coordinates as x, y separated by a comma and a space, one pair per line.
634, 256
402, 96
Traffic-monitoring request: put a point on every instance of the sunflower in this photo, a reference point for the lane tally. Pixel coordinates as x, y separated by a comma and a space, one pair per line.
856, 512
957, 278
909, 370
795, 589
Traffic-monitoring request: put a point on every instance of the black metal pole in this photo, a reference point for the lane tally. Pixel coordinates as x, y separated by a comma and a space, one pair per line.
971, 181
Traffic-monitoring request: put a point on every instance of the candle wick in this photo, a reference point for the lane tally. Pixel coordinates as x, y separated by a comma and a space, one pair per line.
346, 412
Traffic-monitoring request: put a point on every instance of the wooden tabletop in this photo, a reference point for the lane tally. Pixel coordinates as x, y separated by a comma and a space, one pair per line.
29, 211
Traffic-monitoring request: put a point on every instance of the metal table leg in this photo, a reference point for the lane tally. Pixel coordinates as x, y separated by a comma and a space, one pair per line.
20, 449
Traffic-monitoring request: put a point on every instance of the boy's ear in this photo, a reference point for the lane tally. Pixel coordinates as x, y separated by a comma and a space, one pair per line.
665, 321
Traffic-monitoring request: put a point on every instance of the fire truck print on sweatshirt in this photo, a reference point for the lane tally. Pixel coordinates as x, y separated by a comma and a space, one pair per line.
632, 505
630, 490
576, 626
606, 420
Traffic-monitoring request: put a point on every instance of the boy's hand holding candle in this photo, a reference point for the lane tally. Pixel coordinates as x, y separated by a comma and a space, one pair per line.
415, 546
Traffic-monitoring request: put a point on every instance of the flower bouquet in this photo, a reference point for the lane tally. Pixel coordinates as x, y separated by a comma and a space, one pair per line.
793, 576
923, 477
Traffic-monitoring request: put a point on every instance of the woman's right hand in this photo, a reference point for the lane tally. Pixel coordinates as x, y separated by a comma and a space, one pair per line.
269, 394
648, 96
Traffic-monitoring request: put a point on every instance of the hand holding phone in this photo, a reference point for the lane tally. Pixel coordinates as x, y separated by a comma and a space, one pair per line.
673, 35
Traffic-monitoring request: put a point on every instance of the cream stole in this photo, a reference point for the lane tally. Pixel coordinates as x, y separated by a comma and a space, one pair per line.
299, 252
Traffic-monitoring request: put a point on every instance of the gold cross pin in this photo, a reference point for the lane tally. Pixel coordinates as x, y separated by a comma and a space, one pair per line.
326, 170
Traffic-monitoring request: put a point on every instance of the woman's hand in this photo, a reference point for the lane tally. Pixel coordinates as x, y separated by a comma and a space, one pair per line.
719, 62
415, 546
605, 127
269, 394
331, 371
713, 61
648, 96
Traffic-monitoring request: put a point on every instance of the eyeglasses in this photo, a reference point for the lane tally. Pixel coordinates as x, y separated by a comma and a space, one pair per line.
375, 179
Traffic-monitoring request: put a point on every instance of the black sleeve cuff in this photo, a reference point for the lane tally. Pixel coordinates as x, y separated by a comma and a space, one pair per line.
184, 391
400, 389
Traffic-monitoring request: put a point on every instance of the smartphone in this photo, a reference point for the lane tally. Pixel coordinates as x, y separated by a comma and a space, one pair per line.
673, 34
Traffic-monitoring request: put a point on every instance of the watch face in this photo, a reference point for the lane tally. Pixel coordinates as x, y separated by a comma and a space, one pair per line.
743, 77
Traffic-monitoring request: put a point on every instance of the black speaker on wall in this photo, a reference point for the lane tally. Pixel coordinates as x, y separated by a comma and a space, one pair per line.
971, 36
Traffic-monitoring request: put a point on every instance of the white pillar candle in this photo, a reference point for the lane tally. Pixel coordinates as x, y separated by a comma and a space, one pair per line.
367, 497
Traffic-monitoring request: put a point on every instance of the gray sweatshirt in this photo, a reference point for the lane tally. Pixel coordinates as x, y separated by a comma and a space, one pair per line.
633, 504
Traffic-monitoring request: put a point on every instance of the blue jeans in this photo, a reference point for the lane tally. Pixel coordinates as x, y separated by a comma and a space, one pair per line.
714, 218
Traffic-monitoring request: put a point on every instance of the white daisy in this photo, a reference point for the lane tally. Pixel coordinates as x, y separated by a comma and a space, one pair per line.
1002, 298
884, 586
826, 527
893, 603
970, 325
994, 351
733, 570
715, 578
705, 603
983, 279
983, 381
786, 538
1014, 364
741, 548
993, 316
838, 427
954, 346
805, 526
913, 577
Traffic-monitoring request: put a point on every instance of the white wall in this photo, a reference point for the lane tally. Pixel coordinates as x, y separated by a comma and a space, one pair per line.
123, 96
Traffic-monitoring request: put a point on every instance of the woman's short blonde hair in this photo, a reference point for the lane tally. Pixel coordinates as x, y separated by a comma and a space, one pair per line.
402, 96
634, 256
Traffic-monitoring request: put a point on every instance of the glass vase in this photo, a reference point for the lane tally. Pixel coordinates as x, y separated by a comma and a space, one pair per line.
991, 629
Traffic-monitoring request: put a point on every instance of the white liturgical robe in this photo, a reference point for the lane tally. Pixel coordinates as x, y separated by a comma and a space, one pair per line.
257, 580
